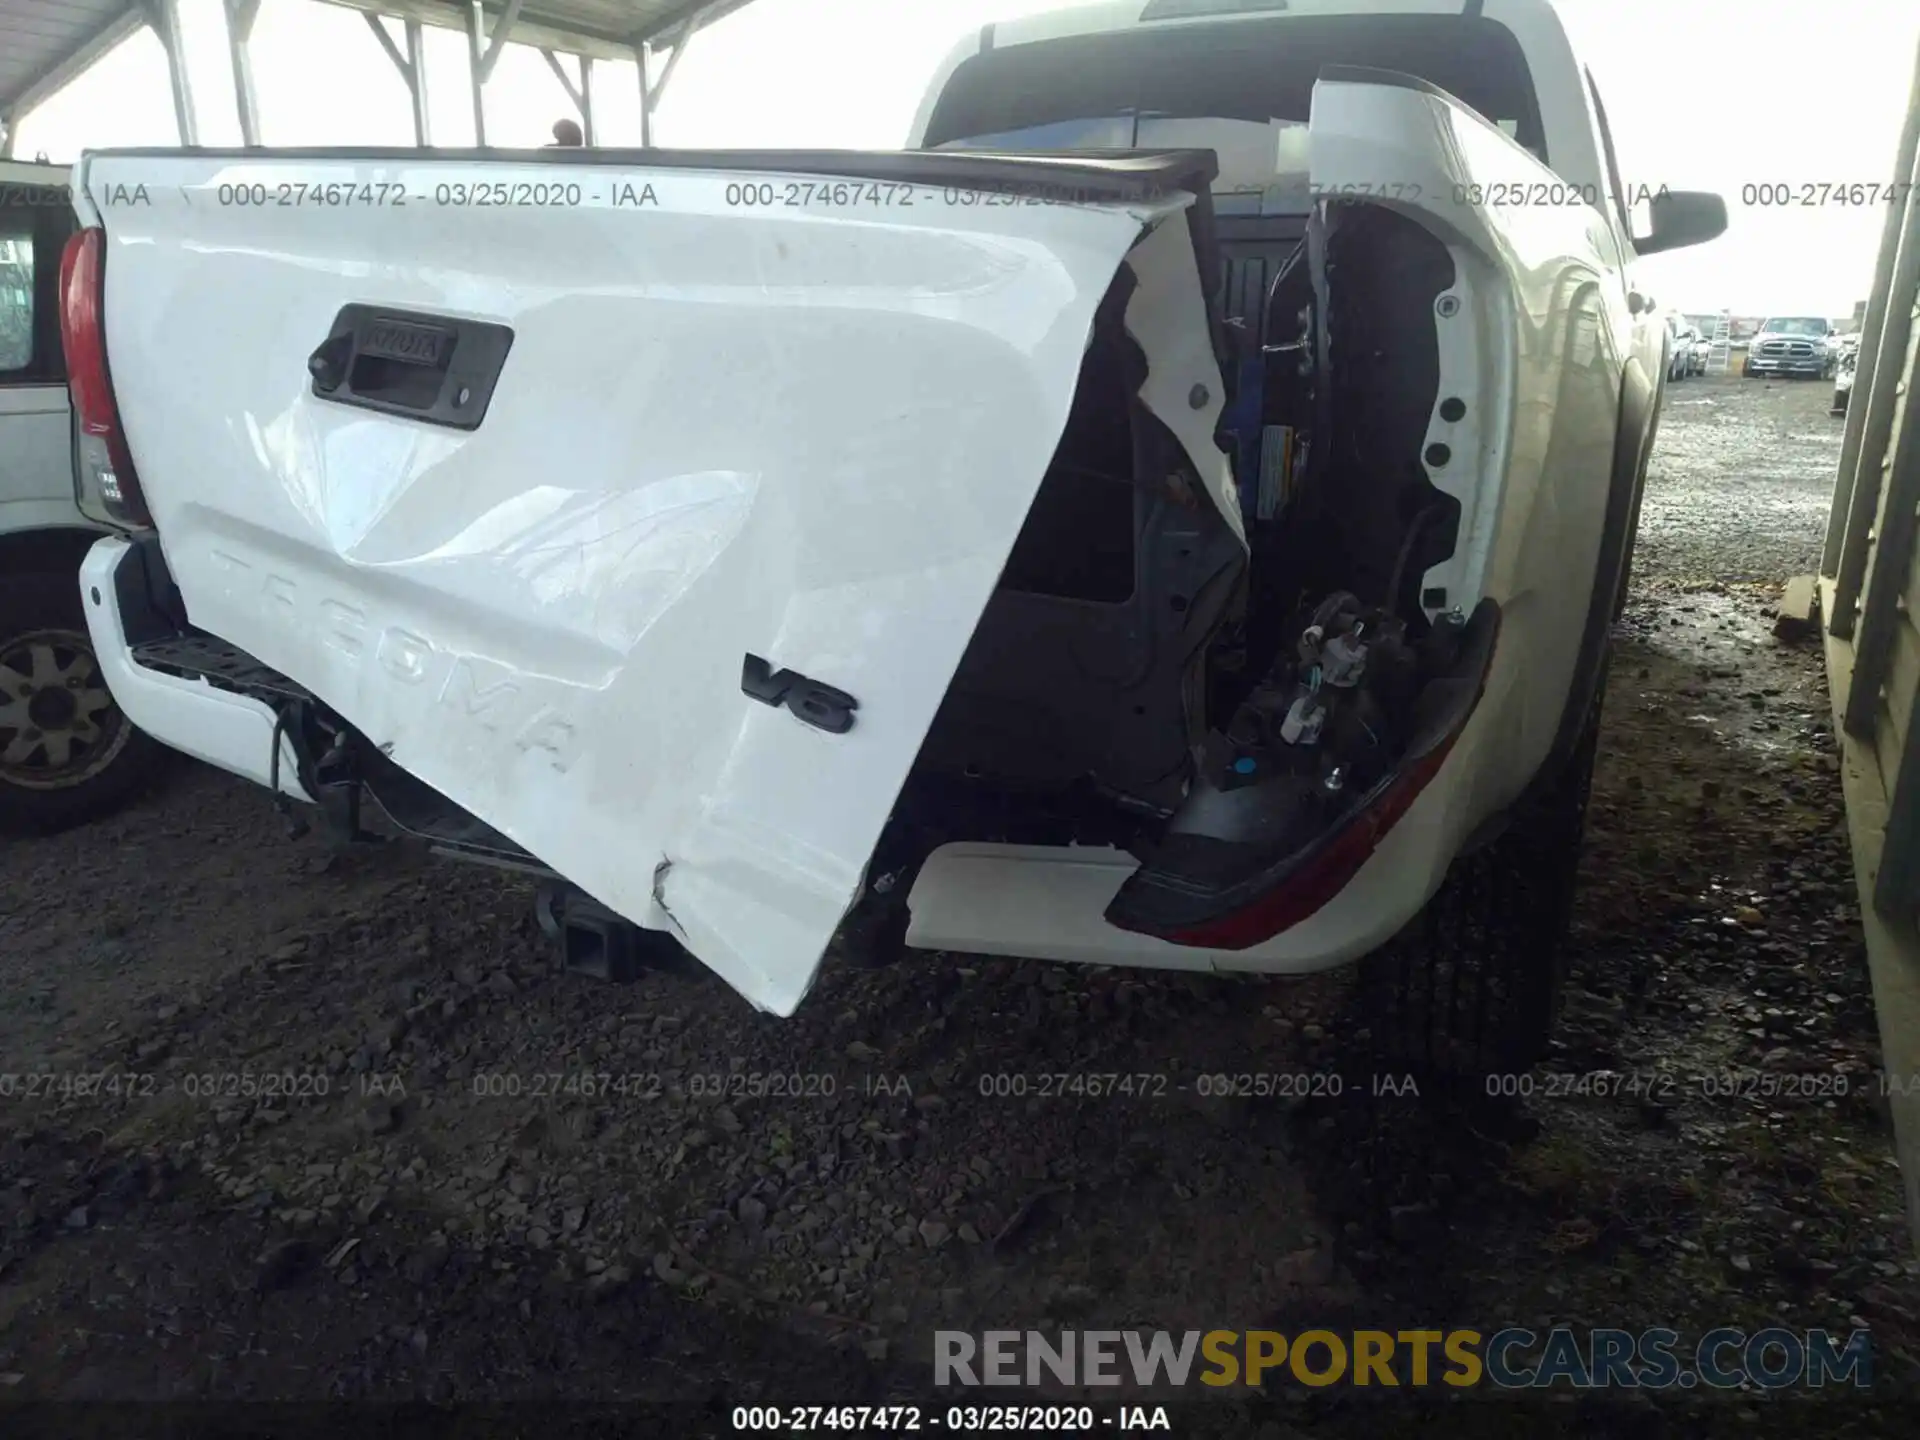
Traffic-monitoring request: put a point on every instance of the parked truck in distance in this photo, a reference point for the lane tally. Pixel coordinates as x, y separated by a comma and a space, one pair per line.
1802, 345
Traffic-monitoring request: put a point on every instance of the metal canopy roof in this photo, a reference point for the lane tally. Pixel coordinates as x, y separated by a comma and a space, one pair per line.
46, 43
604, 29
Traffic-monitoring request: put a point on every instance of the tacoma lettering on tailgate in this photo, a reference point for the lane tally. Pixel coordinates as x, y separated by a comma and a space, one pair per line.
508, 707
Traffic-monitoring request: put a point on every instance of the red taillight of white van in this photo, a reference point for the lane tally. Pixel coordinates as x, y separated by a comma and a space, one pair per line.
104, 483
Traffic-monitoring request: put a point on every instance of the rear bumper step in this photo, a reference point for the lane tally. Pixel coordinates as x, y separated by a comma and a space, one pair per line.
127, 604
196, 655
209, 698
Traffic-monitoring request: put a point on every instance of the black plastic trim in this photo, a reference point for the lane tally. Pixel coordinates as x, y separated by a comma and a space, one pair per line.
1210, 9
196, 655
1400, 80
450, 382
150, 605
1097, 174
1632, 448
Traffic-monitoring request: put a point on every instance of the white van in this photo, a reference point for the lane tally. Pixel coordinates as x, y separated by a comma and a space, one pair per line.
66, 752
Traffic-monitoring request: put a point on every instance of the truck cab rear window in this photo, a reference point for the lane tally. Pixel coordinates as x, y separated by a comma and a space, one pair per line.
1259, 70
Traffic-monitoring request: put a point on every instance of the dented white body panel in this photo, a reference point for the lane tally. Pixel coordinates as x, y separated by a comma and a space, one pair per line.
1535, 348
1534, 344
811, 437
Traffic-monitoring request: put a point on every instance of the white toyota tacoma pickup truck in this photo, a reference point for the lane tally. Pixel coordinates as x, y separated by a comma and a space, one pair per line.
67, 754
1164, 516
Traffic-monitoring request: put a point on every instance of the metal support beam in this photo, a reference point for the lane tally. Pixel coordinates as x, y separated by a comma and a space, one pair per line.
246, 100
581, 94
1883, 401
502, 32
401, 62
476, 69
164, 17
417, 84
651, 89
680, 38
412, 67
1868, 360
641, 51
586, 100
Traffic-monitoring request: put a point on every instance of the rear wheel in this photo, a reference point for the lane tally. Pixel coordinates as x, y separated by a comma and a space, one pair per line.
67, 754
1472, 988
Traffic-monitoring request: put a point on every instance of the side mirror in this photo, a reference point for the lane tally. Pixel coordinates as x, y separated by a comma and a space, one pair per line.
1680, 218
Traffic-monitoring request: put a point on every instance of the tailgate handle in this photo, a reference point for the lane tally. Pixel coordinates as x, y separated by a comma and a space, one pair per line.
434, 368
328, 364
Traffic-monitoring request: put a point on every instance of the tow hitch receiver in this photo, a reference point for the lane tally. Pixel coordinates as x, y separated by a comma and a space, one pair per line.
598, 943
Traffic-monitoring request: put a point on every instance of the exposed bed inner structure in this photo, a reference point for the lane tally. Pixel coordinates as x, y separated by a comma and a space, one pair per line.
1225, 709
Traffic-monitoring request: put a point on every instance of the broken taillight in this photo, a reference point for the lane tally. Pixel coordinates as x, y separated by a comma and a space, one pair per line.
1187, 898
1331, 867
104, 484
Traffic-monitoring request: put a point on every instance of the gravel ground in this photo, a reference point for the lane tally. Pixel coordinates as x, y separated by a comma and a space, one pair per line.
352, 1154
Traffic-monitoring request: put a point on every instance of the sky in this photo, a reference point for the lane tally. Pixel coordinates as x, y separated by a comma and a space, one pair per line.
1719, 95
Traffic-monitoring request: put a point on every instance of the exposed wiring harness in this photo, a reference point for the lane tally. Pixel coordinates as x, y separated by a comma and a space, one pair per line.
1391, 599
282, 715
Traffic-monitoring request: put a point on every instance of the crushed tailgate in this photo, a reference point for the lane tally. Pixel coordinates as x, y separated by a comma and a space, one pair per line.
669, 584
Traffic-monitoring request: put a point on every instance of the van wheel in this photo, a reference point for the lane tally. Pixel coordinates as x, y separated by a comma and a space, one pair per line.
67, 754
1472, 987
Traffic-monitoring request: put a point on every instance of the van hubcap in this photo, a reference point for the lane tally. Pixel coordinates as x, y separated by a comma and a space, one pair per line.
58, 724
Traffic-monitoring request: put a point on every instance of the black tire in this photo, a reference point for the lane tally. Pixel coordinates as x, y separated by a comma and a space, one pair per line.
1633, 525
1473, 987
1626, 561
1746, 371
874, 935
67, 754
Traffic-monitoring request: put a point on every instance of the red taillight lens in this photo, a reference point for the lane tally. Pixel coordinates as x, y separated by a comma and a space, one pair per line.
104, 482
1328, 872
1203, 897
81, 274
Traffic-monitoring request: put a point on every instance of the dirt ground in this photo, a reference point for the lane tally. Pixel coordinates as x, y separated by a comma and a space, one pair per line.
350, 1153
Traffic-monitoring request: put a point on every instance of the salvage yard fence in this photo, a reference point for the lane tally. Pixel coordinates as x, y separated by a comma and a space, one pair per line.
1869, 592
